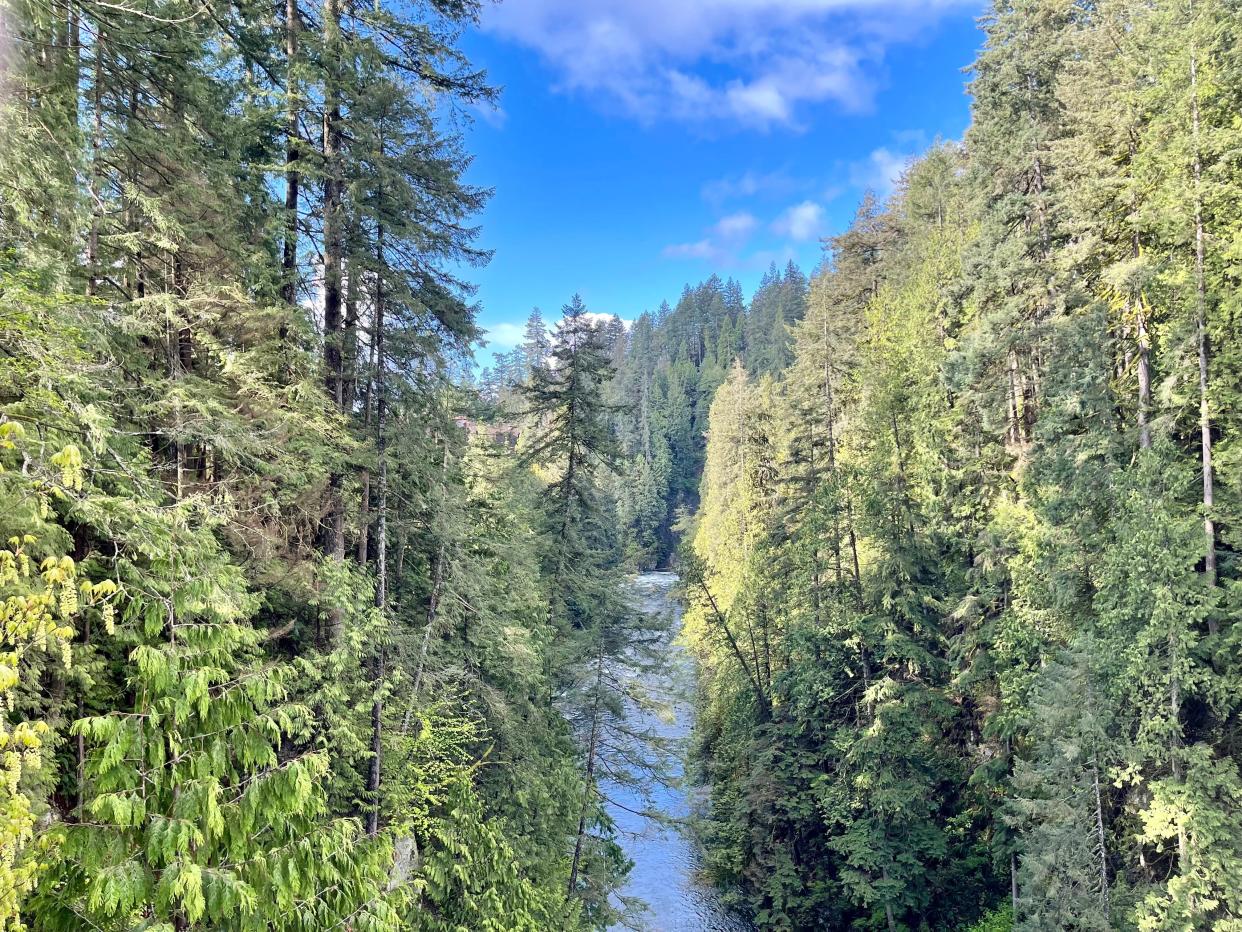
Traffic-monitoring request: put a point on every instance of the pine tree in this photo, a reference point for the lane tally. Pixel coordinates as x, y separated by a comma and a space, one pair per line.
572, 436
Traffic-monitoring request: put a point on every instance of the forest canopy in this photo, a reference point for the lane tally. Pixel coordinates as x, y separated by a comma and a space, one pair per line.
309, 622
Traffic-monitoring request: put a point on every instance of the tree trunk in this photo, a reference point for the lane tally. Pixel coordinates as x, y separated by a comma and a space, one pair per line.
849, 526
373, 777
1175, 743
831, 428
349, 335
80, 807
289, 260
1015, 434
92, 237
1144, 378
1013, 885
334, 547
333, 245
761, 697
381, 529
589, 789
433, 611
888, 907
1205, 418
1100, 837
364, 520
333, 258
567, 499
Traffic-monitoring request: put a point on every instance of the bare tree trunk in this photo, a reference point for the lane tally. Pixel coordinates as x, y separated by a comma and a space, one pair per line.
364, 520
381, 439
567, 484
333, 209
381, 529
81, 738
333, 258
433, 611
1014, 424
349, 334
589, 789
1100, 837
830, 427
888, 907
761, 697
900, 456
73, 52
92, 237
1205, 418
832, 466
293, 153
1013, 885
1144, 344
849, 524
377, 748
1175, 744
1030, 395
1144, 379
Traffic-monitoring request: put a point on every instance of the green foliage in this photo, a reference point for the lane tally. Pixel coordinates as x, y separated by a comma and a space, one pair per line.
967, 530
300, 634
998, 920
215, 717
42, 599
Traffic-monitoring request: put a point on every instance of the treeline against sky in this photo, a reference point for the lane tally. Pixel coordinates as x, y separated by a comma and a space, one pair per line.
665, 369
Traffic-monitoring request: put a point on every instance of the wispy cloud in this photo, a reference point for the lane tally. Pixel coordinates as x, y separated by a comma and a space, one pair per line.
493, 115
736, 226
504, 336
748, 184
880, 171
699, 249
741, 239
751, 63
800, 222
724, 240
729, 238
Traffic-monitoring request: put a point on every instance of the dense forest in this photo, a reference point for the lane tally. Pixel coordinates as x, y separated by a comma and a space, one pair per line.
965, 571
310, 624
286, 647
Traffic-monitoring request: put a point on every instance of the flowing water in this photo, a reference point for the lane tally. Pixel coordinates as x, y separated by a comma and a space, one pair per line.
666, 872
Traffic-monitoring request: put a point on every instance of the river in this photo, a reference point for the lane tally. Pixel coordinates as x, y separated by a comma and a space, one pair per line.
666, 872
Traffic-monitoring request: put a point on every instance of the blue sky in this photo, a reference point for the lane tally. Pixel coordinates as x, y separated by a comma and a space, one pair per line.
643, 144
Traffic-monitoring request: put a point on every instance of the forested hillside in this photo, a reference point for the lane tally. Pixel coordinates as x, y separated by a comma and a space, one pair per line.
308, 626
284, 646
965, 573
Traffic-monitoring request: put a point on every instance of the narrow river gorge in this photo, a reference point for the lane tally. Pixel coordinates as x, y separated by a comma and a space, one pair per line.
666, 873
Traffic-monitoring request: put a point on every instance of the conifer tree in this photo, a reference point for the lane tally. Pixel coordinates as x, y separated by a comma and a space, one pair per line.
573, 437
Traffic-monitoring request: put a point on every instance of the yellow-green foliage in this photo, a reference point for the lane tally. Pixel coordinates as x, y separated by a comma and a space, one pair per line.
41, 595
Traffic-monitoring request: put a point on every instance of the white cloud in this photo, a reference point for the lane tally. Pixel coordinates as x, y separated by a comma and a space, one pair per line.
880, 171
724, 239
700, 249
748, 184
600, 319
800, 222
505, 336
493, 115
753, 63
735, 226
